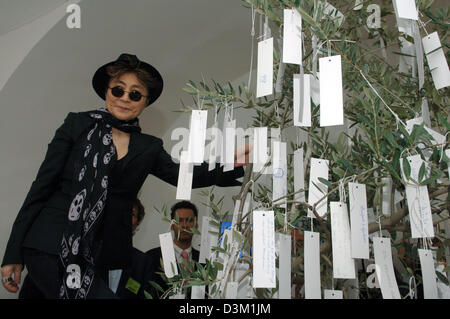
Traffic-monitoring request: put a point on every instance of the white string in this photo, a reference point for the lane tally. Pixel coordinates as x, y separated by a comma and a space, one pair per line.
412, 292
393, 113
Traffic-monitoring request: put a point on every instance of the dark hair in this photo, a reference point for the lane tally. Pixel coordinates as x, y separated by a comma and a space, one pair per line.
131, 66
140, 210
183, 204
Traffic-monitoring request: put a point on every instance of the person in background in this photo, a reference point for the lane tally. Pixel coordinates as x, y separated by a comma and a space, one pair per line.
128, 283
184, 216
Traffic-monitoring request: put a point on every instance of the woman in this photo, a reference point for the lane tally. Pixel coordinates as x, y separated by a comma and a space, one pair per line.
74, 225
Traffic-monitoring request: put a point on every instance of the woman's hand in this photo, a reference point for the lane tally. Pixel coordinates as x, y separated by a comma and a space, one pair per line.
7, 272
242, 155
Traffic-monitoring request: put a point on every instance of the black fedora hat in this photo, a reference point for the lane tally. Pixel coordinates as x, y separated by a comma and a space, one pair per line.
100, 80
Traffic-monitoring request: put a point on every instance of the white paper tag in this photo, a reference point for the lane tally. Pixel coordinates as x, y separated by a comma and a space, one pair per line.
319, 168
229, 145
436, 60
264, 84
184, 185
359, 220
419, 207
332, 294
343, 263
284, 277
263, 250
279, 176
447, 153
406, 9
312, 265
198, 292
428, 274
299, 175
260, 155
231, 290
168, 254
215, 151
387, 196
205, 241
197, 136
331, 98
384, 268
302, 116
315, 88
292, 37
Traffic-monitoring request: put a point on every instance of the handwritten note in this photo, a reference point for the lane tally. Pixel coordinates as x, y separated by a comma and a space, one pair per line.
312, 265
168, 254
263, 250
430, 290
205, 240
343, 263
264, 85
418, 201
387, 195
384, 268
279, 176
359, 221
317, 190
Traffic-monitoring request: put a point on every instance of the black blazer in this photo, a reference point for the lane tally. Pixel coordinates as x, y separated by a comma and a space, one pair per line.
41, 221
154, 259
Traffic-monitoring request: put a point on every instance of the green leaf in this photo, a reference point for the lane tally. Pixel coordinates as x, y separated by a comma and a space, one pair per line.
442, 278
406, 168
326, 182
422, 172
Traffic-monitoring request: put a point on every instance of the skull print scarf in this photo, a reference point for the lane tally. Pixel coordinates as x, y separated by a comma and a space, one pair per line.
79, 245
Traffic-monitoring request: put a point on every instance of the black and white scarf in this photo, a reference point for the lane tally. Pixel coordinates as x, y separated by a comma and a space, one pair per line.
79, 245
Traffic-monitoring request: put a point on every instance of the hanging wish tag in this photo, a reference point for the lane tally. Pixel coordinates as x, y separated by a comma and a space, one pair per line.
197, 136
387, 195
205, 241
436, 60
292, 36
359, 221
302, 111
168, 254
343, 263
430, 290
263, 250
331, 98
184, 185
230, 145
318, 190
418, 200
284, 277
447, 153
215, 151
312, 265
406, 9
264, 85
384, 268
198, 292
260, 156
299, 175
279, 175
332, 294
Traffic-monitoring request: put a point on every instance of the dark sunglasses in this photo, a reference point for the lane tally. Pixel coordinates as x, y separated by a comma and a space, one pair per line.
134, 95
